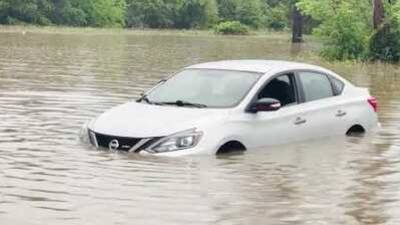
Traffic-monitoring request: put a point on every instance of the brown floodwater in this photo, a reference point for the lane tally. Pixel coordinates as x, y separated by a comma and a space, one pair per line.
52, 83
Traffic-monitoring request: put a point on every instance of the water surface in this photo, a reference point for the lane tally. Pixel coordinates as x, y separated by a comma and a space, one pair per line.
51, 83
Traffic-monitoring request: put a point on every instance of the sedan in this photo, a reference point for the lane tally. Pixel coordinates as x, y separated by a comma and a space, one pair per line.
234, 106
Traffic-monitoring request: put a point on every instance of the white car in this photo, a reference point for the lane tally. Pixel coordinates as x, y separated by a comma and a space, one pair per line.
237, 105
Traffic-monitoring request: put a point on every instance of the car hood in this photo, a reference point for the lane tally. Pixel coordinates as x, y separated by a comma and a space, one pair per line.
144, 120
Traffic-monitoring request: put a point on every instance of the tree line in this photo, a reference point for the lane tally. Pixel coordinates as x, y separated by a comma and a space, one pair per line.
349, 29
180, 14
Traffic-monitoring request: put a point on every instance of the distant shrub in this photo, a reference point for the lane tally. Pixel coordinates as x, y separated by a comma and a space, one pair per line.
344, 27
277, 25
345, 37
384, 44
276, 17
231, 27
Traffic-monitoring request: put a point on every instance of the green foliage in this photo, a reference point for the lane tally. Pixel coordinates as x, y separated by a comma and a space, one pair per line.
102, 13
277, 17
232, 28
345, 26
347, 31
99, 13
345, 36
393, 11
384, 44
181, 14
171, 13
248, 12
106, 13
69, 13
150, 13
196, 13
24, 11
227, 9
341, 42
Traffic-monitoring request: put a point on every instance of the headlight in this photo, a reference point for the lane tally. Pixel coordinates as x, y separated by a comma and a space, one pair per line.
180, 141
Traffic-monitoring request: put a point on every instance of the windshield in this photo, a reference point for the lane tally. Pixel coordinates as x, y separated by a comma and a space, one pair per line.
209, 88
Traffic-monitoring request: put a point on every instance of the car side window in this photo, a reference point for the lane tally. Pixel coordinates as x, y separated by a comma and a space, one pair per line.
281, 88
315, 86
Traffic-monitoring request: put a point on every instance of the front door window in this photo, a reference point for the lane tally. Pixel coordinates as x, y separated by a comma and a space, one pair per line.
280, 88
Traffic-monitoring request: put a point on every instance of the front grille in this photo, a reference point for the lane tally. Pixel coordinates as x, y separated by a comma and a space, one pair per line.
124, 143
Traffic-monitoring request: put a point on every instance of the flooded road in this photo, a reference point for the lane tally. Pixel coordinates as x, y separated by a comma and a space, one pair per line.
51, 83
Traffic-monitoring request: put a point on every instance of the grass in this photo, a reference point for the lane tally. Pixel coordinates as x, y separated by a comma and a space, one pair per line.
116, 31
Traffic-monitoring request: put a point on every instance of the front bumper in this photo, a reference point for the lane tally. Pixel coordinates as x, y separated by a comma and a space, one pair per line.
136, 145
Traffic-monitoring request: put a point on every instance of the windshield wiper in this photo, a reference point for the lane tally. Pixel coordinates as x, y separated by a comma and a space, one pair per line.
145, 99
181, 103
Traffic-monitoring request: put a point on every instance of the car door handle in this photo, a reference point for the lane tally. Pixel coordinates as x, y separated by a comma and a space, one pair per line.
300, 121
341, 113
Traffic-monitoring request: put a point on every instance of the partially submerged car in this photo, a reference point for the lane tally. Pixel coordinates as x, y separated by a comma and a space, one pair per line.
225, 106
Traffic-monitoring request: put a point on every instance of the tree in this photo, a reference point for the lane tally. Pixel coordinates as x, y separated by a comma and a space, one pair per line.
227, 9
249, 12
103, 13
345, 26
98, 13
196, 13
24, 11
150, 13
384, 44
379, 13
67, 12
184, 14
297, 26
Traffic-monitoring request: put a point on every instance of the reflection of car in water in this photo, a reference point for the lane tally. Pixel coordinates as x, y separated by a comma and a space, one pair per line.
225, 106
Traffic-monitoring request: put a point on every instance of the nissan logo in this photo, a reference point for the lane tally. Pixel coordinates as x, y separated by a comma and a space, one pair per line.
113, 145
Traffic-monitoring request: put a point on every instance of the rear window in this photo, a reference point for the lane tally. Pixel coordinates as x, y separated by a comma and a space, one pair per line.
337, 85
316, 86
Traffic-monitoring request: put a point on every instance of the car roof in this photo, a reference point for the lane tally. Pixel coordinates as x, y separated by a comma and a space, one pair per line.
257, 66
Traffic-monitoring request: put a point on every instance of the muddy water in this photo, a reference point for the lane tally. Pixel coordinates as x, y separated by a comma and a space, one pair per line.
50, 84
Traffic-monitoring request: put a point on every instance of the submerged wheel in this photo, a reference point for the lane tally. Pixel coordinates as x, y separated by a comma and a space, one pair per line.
355, 130
231, 147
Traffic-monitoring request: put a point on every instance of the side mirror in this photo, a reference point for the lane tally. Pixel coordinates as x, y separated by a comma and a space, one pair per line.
265, 105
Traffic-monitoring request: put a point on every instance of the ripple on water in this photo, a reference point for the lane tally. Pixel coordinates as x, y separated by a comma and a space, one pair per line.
50, 84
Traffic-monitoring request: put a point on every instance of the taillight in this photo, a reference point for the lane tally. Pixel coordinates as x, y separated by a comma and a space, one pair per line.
374, 103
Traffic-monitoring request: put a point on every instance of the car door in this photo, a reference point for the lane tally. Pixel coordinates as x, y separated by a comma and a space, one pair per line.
321, 107
277, 127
